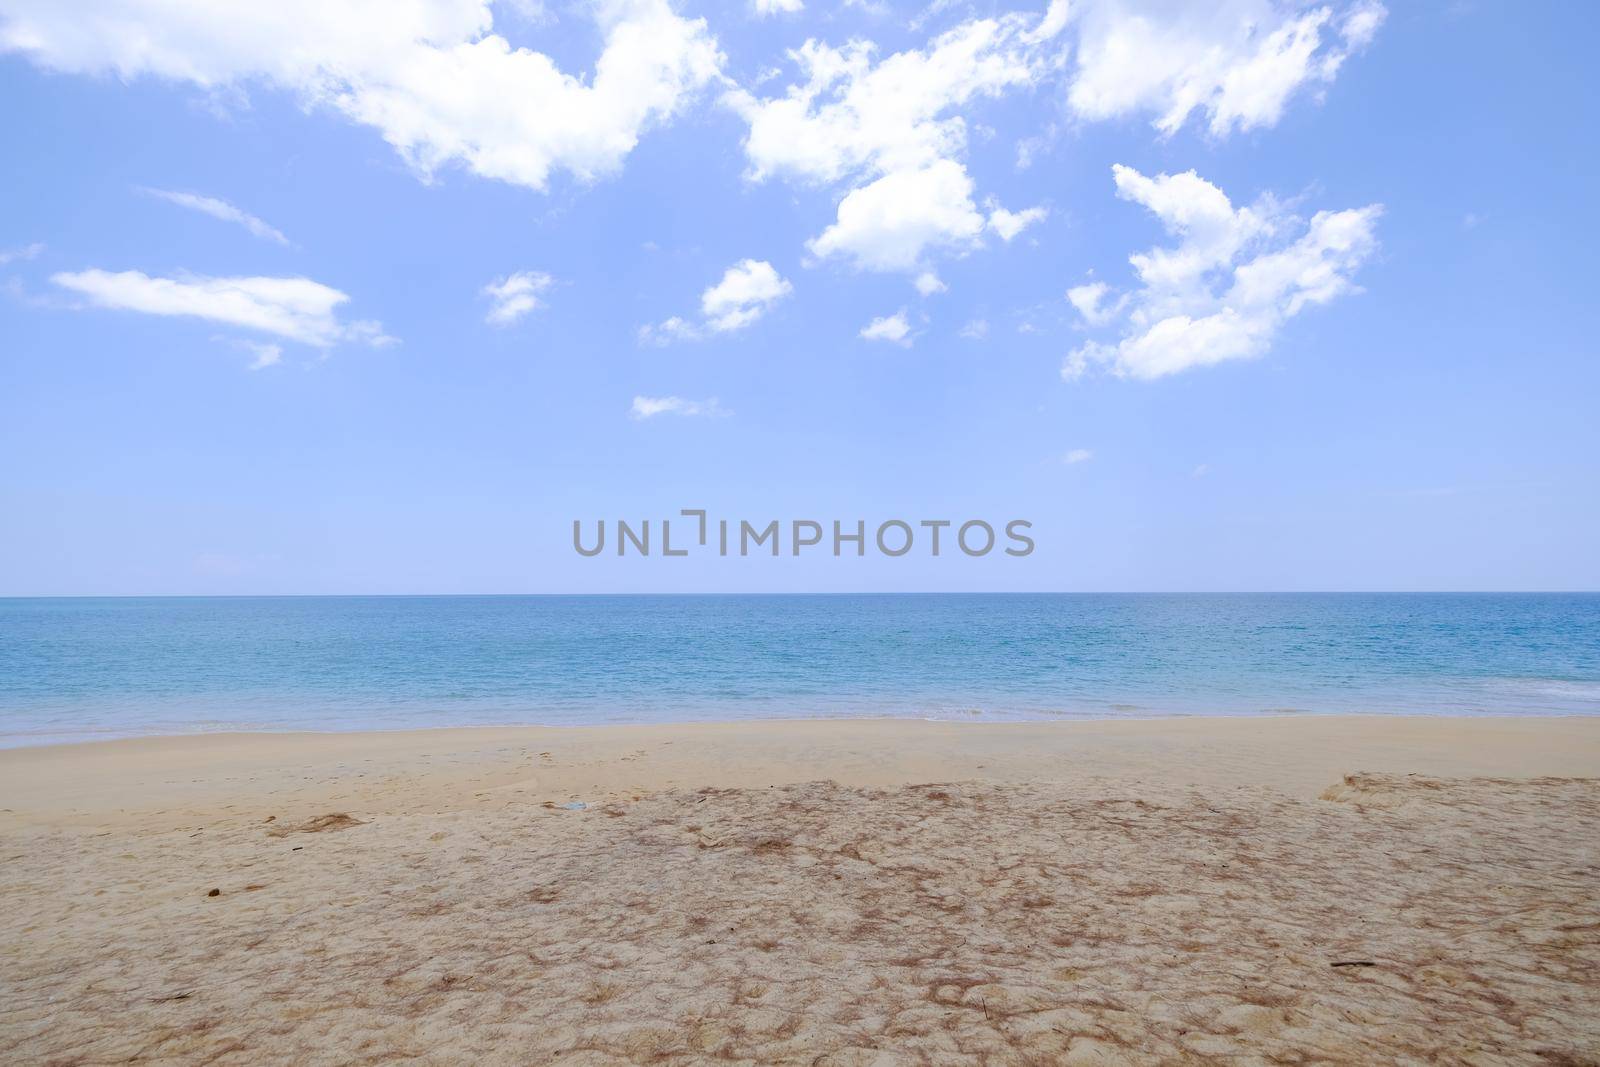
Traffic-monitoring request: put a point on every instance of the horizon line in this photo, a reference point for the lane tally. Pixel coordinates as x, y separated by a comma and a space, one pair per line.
820, 593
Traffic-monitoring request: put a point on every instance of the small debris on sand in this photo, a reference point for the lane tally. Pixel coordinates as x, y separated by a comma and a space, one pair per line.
321, 824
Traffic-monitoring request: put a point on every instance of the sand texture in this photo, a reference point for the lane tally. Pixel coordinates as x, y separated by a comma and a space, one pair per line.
1027, 918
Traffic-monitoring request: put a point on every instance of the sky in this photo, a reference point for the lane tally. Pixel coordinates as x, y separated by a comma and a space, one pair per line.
380, 297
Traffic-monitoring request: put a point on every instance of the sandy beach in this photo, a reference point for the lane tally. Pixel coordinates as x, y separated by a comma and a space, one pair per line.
1290, 889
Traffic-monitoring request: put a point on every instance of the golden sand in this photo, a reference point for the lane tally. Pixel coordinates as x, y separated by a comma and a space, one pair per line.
817, 893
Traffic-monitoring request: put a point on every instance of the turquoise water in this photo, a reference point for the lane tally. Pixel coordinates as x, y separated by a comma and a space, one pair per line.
77, 669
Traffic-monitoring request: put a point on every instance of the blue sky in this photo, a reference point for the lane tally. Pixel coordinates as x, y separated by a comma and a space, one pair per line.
832, 262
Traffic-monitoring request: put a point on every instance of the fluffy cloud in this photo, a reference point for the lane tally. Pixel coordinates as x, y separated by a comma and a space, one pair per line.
891, 223
297, 309
892, 328
1078, 455
851, 115
515, 295
220, 209
1090, 301
747, 291
744, 294
1010, 223
1227, 287
1237, 62
777, 7
891, 130
429, 75
648, 407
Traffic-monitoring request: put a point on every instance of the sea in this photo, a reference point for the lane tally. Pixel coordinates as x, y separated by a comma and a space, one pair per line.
80, 669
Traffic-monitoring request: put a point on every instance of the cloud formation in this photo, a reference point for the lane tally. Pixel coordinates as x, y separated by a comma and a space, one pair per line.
429, 75
887, 134
1008, 224
891, 130
220, 209
747, 291
515, 295
648, 407
296, 309
1236, 62
892, 328
1231, 282
1090, 301
890, 224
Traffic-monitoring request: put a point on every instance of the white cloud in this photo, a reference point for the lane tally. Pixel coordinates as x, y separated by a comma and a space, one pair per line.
1238, 62
1189, 207
676, 328
1055, 20
530, 11
976, 329
891, 223
220, 209
747, 291
892, 328
429, 75
515, 295
1230, 283
891, 130
1090, 301
776, 7
1078, 455
24, 252
1201, 470
297, 309
1361, 22
928, 283
267, 355
648, 407
927, 14
1010, 223
853, 116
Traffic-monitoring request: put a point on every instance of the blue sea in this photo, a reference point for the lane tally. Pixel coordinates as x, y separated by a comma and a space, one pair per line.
80, 669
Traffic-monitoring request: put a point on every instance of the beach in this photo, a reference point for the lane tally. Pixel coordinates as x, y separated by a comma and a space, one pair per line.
1337, 889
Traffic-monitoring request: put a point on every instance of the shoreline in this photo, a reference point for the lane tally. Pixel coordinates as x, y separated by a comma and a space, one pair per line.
790, 720
495, 766
981, 722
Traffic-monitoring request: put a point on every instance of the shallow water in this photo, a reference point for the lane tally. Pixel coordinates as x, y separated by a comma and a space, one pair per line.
83, 668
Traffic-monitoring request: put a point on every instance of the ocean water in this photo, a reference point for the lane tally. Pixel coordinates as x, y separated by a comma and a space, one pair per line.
80, 669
